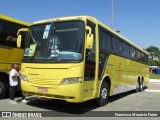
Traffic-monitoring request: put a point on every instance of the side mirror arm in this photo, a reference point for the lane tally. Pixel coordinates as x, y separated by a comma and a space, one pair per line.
89, 39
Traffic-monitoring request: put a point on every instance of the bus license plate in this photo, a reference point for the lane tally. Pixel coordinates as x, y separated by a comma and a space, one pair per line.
42, 89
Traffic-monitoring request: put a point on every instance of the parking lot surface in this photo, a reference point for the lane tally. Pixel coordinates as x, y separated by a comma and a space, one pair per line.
148, 101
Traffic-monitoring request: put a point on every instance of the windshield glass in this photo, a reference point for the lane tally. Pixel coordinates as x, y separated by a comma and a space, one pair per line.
61, 41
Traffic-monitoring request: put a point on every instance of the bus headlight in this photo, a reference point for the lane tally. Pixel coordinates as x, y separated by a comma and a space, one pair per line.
71, 80
24, 78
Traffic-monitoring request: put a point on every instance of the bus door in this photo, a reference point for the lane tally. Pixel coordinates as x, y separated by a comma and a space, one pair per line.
90, 66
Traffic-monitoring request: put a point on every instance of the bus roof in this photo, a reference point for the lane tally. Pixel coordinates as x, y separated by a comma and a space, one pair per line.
96, 21
4, 17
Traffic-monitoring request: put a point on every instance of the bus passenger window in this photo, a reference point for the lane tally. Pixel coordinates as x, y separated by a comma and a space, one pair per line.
138, 55
132, 53
117, 46
126, 50
105, 48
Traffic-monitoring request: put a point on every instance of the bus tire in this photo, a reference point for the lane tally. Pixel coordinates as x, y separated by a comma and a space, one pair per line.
3, 88
138, 86
141, 86
104, 95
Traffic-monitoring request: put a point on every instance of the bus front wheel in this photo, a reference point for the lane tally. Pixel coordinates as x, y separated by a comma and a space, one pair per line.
104, 95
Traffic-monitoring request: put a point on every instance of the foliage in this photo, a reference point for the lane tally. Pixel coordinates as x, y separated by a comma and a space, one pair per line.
154, 55
154, 52
154, 76
154, 63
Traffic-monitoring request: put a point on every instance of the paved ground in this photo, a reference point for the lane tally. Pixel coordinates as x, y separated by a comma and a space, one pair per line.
154, 85
148, 100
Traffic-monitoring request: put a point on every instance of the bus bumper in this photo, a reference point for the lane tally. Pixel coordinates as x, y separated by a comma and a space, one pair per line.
69, 92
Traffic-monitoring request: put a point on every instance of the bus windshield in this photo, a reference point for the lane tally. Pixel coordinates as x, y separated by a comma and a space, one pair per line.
52, 42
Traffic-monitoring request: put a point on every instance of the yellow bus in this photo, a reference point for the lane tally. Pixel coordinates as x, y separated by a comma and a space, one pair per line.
9, 53
79, 58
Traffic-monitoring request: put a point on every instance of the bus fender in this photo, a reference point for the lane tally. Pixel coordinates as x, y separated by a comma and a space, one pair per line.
105, 78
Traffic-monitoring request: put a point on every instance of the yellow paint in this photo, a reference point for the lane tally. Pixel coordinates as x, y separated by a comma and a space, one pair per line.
10, 55
121, 72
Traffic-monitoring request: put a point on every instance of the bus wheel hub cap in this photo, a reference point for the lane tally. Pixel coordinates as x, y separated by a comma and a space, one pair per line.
104, 93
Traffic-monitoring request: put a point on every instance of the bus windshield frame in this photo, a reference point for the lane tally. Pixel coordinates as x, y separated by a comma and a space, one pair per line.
55, 42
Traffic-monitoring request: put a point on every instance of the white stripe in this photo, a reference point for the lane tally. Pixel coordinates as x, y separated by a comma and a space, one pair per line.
155, 83
152, 90
154, 80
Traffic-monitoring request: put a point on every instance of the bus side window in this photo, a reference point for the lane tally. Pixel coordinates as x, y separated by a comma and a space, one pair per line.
138, 55
117, 46
8, 33
105, 48
126, 50
132, 53
0, 32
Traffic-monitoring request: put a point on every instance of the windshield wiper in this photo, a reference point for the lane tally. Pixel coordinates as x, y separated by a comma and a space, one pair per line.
32, 37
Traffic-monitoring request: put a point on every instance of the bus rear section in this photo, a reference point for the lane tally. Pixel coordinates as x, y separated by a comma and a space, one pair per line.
9, 53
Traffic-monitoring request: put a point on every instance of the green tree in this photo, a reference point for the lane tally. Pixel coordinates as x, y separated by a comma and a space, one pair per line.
153, 52
154, 63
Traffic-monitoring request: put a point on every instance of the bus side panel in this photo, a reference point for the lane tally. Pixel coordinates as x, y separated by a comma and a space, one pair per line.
124, 74
8, 56
114, 69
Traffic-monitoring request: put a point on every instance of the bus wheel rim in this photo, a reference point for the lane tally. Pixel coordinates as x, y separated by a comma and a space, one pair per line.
104, 93
141, 86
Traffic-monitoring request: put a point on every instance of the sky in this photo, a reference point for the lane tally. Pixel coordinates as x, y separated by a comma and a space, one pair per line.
137, 20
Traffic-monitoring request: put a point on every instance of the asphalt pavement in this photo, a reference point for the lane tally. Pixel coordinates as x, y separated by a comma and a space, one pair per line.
153, 86
146, 102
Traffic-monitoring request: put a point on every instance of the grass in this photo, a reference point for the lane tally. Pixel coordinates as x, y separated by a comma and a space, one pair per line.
154, 76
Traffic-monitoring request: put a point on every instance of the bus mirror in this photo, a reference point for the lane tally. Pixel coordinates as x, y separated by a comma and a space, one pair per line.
19, 40
22, 30
89, 40
21, 35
